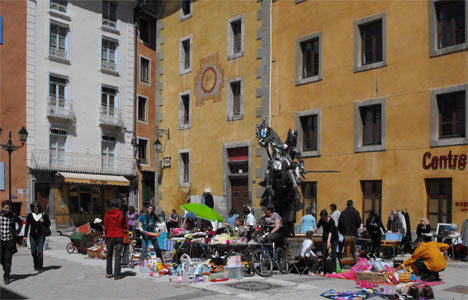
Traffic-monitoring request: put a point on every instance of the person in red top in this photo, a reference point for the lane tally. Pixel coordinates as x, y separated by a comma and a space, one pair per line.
113, 227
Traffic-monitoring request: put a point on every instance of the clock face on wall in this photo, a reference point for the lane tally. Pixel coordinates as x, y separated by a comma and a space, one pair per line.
208, 80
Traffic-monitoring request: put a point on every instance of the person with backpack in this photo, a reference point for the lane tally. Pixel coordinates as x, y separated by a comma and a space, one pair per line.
39, 223
375, 228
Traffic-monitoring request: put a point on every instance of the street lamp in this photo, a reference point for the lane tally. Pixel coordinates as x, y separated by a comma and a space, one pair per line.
9, 147
159, 133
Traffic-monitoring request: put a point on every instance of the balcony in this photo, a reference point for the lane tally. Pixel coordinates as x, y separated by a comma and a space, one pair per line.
110, 116
59, 53
109, 66
60, 108
51, 160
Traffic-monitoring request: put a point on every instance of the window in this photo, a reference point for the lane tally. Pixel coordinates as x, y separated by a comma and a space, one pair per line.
144, 31
235, 99
447, 27
185, 108
309, 135
309, 193
109, 57
236, 37
448, 116
109, 13
184, 168
369, 127
309, 58
439, 200
58, 142
370, 43
143, 155
371, 118
108, 101
58, 94
142, 109
309, 132
108, 153
58, 41
185, 9
371, 197
144, 70
185, 55
59, 5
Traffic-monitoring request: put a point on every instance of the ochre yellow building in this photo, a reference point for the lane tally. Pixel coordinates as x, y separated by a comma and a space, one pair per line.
377, 91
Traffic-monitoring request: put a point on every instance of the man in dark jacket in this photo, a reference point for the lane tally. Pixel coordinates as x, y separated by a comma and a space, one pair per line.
113, 227
8, 233
350, 220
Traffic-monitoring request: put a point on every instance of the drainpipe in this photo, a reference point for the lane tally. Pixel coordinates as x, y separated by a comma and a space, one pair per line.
270, 71
136, 201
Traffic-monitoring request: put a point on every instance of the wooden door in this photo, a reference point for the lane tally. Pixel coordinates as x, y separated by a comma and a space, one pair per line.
239, 193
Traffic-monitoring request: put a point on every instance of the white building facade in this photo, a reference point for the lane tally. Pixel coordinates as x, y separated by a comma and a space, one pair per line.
80, 106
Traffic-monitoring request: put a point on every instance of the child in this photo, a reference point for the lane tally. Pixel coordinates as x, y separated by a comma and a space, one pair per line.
308, 255
426, 293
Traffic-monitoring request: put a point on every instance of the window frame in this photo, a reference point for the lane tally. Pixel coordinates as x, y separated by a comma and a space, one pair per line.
57, 12
182, 54
300, 59
231, 54
141, 57
146, 120
314, 193
66, 41
434, 50
149, 31
147, 151
449, 213
65, 144
436, 141
181, 167
109, 40
182, 124
106, 26
230, 99
358, 126
300, 132
358, 66
182, 15
379, 199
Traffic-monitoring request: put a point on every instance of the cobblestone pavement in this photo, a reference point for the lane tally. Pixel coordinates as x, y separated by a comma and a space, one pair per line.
74, 276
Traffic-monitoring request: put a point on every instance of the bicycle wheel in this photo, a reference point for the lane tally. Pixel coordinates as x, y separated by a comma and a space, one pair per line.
70, 248
261, 262
282, 261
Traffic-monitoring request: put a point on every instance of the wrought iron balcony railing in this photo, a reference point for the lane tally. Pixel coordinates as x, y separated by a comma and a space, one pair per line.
110, 116
60, 108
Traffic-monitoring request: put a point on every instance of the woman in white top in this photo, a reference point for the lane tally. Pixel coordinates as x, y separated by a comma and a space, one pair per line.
308, 255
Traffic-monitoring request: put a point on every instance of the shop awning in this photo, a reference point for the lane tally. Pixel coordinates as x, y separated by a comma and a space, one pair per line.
94, 179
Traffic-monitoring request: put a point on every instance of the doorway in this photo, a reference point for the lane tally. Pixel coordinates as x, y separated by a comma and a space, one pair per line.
239, 193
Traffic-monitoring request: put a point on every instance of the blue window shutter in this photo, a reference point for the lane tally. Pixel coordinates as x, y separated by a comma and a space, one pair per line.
117, 57
67, 43
1, 30
2, 176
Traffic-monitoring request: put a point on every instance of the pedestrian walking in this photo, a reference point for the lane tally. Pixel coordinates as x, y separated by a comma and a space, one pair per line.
329, 240
113, 226
8, 232
349, 221
148, 227
37, 225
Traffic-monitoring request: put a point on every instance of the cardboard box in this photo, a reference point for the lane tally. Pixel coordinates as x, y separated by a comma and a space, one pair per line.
370, 276
98, 254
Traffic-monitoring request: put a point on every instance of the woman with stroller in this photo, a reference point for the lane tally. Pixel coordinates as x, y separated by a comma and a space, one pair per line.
148, 228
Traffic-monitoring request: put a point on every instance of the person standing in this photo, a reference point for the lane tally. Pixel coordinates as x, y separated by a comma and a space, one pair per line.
308, 255
38, 222
375, 228
148, 227
334, 213
349, 221
113, 226
8, 232
132, 217
308, 221
329, 240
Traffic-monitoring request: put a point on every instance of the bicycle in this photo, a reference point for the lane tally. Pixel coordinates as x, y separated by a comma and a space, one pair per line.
265, 258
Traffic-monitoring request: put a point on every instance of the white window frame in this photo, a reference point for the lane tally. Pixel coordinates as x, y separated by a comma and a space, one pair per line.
183, 16
57, 58
148, 154
146, 121
61, 14
182, 69
230, 43
149, 70
435, 140
106, 26
183, 126
116, 55
358, 66
358, 127
180, 167
300, 132
300, 57
108, 142
434, 50
65, 144
230, 100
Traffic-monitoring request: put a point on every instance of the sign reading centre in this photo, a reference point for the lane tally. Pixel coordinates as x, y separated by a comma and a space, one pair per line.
449, 161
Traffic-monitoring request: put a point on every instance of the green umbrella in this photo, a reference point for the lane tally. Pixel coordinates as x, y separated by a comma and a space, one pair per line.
203, 211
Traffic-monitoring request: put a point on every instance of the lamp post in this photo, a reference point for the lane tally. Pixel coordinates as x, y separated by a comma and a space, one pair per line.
158, 148
9, 147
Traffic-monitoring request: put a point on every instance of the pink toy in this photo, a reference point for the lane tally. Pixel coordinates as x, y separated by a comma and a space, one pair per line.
151, 274
179, 279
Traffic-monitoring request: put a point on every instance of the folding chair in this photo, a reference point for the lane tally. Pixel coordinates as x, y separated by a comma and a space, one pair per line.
294, 255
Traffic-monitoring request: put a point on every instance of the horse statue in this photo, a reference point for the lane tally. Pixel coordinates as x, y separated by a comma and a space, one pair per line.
282, 175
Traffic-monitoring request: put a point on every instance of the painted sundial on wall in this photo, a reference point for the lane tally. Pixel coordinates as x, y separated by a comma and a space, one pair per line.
209, 80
